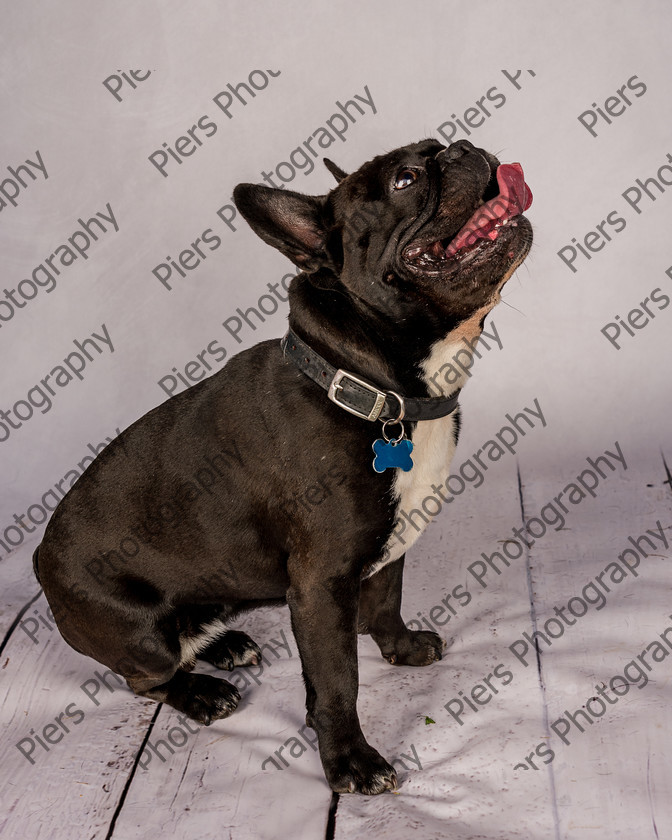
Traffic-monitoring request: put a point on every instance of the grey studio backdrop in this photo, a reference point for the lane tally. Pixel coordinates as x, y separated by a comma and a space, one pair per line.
103, 97
127, 275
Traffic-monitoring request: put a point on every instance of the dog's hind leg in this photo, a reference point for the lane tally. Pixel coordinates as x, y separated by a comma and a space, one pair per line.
164, 675
156, 658
200, 696
139, 635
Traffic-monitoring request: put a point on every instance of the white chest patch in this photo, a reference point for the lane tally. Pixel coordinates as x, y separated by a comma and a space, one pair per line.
433, 450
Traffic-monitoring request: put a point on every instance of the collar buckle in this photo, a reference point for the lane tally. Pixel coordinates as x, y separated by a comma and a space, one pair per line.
335, 387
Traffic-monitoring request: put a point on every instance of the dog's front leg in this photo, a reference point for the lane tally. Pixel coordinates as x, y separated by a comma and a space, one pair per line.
380, 615
324, 621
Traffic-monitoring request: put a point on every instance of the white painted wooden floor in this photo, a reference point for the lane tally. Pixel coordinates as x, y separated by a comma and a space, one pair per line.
116, 774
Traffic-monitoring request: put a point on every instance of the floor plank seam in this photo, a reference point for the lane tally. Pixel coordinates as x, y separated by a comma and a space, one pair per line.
540, 674
131, 775
330, 833
667, 472
16, 621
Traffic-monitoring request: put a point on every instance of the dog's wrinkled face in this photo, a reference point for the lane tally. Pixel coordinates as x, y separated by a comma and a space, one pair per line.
453, 231
424, 229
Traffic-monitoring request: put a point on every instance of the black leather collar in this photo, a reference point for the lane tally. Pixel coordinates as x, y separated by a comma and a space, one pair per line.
357, 395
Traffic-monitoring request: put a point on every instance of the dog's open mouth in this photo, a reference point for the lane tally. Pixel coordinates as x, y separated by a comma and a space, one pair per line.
506, 196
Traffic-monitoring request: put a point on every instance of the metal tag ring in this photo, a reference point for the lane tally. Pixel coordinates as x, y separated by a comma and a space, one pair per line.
402, 408
393, 440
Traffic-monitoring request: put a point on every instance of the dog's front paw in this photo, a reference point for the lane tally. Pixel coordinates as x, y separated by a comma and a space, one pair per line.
418, 647
361, 770
232, 649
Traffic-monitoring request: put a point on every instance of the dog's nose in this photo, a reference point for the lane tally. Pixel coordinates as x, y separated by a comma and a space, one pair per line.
457, 149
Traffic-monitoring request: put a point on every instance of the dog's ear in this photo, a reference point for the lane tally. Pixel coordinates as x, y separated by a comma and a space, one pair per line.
291, 222
336, 171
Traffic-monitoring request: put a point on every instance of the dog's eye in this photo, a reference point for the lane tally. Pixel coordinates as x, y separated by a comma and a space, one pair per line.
405, 177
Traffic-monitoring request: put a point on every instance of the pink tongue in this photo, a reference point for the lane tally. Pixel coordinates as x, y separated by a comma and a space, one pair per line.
513, 199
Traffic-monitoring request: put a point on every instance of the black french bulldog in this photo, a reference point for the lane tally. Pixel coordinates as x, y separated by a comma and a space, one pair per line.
258, 486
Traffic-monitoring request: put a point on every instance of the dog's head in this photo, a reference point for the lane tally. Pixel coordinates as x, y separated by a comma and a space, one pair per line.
424, 236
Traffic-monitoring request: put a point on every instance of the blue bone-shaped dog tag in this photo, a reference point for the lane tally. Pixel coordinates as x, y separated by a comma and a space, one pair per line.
390, 454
